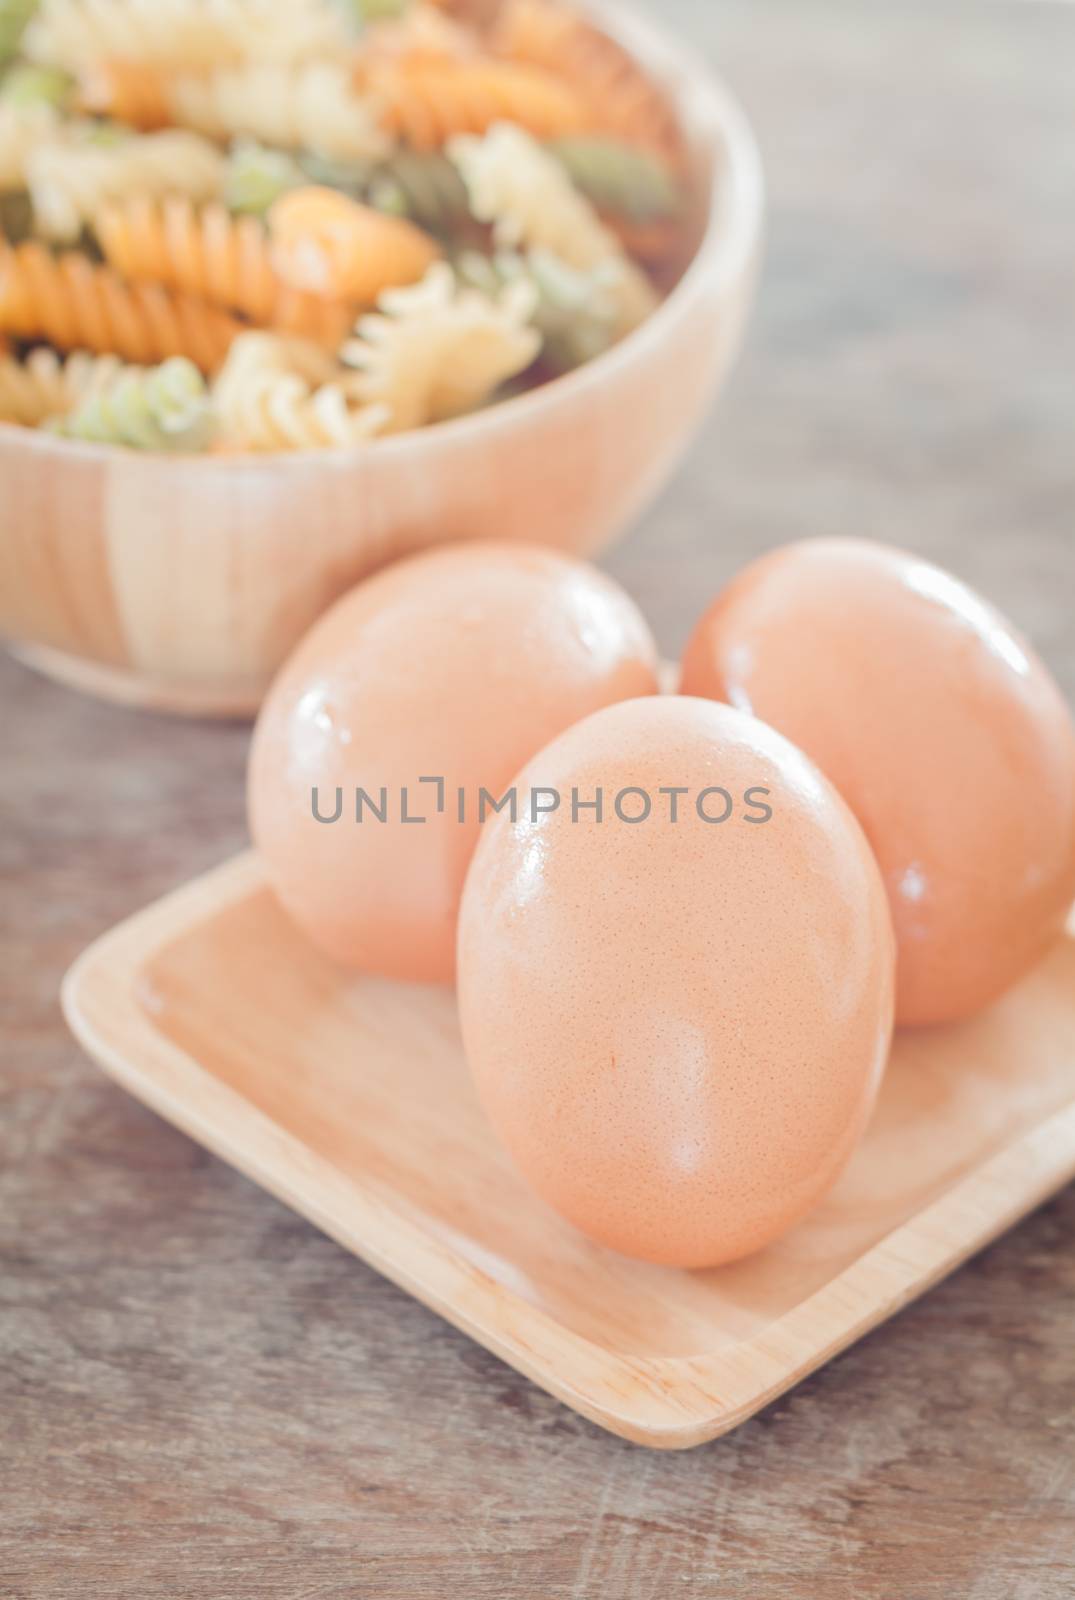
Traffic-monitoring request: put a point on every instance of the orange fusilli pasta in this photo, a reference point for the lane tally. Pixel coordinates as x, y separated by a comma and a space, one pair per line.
76, 304
328, 244
621, 98
46, 385
224, 260
425, 102
289, 224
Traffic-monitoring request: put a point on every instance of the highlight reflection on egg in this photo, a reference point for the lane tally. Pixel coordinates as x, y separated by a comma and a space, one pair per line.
441, 674
942, 730
678, 1027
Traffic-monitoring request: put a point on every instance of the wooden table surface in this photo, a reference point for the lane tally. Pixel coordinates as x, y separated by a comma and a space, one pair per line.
200, 1396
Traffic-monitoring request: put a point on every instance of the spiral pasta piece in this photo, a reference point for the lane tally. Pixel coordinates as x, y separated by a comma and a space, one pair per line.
424, 186
45, 385
425, 102
218, 258
257, 175
182, 34
439, 349
312, 106
620, 178
165, 408
575, 312
76, 304
416, 32
328, 244
532, 205
283, 394
70, 179
23, 129
28, 85
623, 100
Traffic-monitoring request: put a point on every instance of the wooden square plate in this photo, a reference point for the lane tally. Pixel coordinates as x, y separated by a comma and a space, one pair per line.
348, 1098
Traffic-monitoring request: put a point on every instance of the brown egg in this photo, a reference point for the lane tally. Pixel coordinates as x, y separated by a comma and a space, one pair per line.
439, 675
678, 1027
942, 730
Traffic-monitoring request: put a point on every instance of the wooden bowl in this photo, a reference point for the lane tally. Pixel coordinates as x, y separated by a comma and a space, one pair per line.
183, 583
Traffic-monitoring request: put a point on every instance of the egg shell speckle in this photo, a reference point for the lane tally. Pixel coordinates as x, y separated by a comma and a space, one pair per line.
678, 1029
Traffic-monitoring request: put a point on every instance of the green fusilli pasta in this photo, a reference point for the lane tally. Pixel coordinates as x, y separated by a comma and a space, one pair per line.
28, 85
620, 178
424, 186
165, 408
257, 175
575, 310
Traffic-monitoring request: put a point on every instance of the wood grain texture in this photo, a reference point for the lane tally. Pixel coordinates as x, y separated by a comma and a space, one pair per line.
184, 582
348, 1098
200, 1396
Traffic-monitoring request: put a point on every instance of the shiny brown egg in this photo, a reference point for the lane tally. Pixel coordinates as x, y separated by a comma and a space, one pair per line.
943, 731
428, 684
677, 1008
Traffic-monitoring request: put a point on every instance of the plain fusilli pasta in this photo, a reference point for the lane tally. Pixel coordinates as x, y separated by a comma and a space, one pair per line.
23, 129
71, 178
282, 394
179, 33
311, 106
439, 349
532, 205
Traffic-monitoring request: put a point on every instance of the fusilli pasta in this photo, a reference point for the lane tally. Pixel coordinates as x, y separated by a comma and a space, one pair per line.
45, 385
165, 408
623, 100
23, 128
29, 85
219, 258
70, 179
76, 304
437, 350
620, 178
257, 175
417, 32
532, 205
280, 394
425, 102
329, 244
575, 312
218, 189
312, 106
179, 33
422, 185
